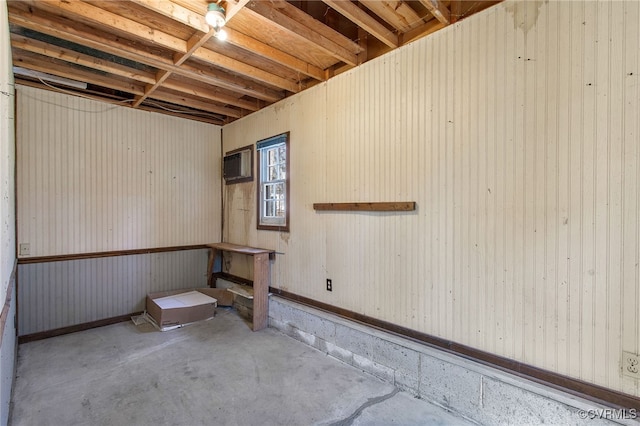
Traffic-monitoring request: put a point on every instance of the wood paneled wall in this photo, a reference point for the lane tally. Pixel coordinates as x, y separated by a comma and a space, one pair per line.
61, 294
517, 132
7, 157
94, 177
7, 219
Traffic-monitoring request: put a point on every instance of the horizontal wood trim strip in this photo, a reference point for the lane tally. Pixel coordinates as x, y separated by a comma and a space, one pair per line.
7, 301
75, 328
235, 248
370, 207
576, 387
96, 255
231, 278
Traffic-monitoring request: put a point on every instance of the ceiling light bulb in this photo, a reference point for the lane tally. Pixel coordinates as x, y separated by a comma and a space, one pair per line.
221, 35
215, 16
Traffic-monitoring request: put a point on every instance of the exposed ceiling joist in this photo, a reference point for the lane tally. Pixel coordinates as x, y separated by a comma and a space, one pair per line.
298, 30
161, 55
438, 10
362, 19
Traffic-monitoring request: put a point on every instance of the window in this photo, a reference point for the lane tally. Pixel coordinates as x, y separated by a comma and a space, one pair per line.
273, 188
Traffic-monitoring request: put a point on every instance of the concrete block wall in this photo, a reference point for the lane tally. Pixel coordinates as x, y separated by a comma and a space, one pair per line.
474, 391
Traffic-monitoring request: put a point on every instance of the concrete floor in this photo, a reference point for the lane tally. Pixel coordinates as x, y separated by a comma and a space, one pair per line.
215, 372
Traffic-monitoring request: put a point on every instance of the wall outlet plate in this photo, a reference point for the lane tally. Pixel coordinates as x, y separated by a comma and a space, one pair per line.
24, 249
630, 365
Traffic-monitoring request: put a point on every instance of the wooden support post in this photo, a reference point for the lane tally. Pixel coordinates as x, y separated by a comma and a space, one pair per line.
261, 281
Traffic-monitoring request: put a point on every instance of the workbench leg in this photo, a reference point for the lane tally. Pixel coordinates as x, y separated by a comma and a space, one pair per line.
261, 282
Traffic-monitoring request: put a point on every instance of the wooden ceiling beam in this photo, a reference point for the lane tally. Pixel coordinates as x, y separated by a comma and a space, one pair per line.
33, 63
438, 10
194, 43
196, 104
42, 48
313, 24
395, 12
209, 95
65, 30
204, 117
252, 45
232, 7
358, 16
32, 20
87, 13
197, 22
59, 68
176, 12
103, 98
239, 67
71, 56
298, 30
95, 15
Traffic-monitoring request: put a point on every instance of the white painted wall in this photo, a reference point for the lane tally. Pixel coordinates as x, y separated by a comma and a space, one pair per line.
95, 177
517, 132
7, 216
7, 156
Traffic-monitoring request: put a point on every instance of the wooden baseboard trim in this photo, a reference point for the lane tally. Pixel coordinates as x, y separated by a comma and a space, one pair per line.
570, 385
96, 255
75, 328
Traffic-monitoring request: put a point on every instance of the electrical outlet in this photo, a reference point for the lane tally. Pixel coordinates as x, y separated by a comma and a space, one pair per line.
24, 249
631, 365
329, 285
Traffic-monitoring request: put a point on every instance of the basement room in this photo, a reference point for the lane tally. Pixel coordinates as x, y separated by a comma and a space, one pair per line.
327, 212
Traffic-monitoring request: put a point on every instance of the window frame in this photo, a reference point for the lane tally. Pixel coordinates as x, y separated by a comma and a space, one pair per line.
262, 183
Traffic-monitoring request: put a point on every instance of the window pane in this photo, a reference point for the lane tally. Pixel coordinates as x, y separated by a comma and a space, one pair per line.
272, 173
274, 191
279, 190
269, 209
273, 185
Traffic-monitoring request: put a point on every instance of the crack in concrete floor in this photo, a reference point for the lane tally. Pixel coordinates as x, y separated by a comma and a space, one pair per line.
370, 402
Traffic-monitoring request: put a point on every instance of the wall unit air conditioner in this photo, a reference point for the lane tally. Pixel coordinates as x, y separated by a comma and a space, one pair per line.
238, 165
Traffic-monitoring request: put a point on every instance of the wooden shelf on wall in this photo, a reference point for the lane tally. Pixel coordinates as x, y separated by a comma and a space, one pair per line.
396, 206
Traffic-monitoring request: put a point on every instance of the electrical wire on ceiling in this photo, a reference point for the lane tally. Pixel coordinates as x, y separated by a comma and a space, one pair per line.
124, 101
70, 92
200, 113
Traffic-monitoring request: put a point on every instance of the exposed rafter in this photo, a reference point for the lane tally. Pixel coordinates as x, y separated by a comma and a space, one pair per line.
438, 10
362, 19
161, 55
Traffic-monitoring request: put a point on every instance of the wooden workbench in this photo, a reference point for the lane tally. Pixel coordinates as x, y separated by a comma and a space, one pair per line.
261, 277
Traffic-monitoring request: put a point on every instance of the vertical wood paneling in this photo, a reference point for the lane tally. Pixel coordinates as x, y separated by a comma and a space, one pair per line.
7, 218
517, 132
61, 294
95, 177
7, 159
629, 291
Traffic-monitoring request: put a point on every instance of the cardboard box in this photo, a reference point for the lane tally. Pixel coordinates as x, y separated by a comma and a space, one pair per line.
172, 309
